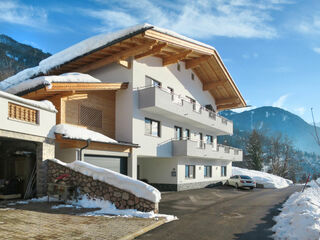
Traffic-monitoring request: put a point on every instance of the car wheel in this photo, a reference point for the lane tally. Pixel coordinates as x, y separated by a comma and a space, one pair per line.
251, 188
227, 182
237, 186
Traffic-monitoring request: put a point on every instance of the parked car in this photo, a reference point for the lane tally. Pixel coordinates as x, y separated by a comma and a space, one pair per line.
241, 181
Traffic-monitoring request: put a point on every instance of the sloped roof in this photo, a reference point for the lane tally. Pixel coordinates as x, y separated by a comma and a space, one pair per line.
141, 41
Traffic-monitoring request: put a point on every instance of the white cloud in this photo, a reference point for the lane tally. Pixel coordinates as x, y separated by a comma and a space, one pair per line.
316, 49
280, 101
300, 110
201, 19
18, 13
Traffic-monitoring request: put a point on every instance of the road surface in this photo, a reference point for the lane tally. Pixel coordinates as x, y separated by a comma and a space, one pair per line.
220, 213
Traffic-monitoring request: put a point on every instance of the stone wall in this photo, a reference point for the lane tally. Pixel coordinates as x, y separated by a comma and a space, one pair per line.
96, 189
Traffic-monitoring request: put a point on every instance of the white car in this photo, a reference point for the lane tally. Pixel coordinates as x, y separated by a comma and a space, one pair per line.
241, 181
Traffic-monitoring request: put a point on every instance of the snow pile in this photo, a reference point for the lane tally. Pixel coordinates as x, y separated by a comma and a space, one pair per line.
268, 180
136, 187
74, 132
47, 80
45, 104
300, 216
82, 48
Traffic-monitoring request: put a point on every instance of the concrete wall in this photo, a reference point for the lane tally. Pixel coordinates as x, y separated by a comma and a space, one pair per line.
47, 119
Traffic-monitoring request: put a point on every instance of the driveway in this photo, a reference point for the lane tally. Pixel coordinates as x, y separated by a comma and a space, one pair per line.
220, 213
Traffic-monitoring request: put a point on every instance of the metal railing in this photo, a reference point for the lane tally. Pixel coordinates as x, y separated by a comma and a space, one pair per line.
180, 100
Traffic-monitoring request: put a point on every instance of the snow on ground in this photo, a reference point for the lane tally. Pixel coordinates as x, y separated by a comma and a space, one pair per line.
300, 216
81, 48
136, 187
45, 105
48, 80
268, 180
80, 133
106, 208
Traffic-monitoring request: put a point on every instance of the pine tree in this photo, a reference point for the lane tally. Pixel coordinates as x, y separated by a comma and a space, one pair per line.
254, 151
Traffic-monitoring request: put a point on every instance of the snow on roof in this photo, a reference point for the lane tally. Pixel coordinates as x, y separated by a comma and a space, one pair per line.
18, 87
45, 105
136, 187
80, 133
268, 180
85, 47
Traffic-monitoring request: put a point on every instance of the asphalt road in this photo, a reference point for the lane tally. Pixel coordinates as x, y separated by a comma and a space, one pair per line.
220, 213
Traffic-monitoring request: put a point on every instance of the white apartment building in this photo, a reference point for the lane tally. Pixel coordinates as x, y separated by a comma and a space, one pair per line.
167, 112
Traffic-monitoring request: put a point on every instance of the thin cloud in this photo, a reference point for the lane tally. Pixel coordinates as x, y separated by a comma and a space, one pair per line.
317, 50
300, 110
18, 13
200, 19
280, 101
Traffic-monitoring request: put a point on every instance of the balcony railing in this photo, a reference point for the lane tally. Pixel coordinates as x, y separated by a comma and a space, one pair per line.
187, 106
197, 148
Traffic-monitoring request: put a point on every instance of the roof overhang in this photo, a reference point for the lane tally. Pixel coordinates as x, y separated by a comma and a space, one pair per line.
70, 88
78, 143
202, 59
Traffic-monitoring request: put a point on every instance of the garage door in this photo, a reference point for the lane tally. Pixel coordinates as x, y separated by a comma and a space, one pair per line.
117, 164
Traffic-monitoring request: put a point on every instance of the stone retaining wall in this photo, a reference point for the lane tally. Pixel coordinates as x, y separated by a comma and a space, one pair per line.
96, 189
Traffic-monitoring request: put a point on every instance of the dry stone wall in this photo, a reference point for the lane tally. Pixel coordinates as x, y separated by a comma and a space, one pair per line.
96, 189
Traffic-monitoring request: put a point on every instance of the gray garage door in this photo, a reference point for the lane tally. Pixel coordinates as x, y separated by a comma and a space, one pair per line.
117, 164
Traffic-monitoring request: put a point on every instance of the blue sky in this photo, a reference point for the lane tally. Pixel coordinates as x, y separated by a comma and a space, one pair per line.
270, 47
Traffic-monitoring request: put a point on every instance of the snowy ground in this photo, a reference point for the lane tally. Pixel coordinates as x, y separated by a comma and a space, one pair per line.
268, 180
105, 208
300, 216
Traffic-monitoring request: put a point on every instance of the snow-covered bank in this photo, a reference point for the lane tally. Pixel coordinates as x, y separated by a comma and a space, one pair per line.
268, 180
300, 216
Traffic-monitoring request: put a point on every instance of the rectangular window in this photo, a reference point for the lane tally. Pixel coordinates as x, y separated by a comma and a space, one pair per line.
177, 133
192, 76
190, 171
178, 67
186, 133
152, 127
152, 82
207, 171
223, 171
209, 139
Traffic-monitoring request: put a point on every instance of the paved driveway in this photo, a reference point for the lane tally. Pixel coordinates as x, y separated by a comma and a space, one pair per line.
220, 213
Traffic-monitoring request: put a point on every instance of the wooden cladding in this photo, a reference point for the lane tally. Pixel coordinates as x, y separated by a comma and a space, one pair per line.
22, 113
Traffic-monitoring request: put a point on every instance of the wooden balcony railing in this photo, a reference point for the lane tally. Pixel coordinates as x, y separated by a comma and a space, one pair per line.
23, 113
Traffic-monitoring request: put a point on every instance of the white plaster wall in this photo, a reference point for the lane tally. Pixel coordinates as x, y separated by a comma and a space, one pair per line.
67, 155
158, 170
47, 120
199, 165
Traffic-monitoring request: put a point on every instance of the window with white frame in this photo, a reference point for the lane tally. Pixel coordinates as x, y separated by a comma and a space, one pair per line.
152, 82
223, 171
152, 127
207, 171
190, 171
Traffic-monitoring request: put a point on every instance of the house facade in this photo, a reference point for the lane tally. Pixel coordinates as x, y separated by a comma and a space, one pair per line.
157, 95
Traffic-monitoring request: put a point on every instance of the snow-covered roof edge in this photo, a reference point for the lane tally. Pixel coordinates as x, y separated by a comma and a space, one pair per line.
87, 47
136, 187
44, 105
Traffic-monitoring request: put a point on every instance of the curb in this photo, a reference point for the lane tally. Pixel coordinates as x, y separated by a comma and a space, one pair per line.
143, 230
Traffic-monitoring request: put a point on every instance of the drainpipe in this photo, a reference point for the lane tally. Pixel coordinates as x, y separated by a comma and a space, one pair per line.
87, 145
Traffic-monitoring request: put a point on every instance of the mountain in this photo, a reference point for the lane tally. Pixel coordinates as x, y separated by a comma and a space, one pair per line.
15, 56
271, 121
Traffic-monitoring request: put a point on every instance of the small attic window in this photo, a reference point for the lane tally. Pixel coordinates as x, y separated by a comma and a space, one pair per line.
192, 76
178, 67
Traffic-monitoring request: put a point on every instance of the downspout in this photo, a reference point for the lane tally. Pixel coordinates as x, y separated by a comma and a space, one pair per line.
87, 145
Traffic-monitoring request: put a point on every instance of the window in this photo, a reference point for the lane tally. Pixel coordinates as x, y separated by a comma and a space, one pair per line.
200, 140
186, 133
192, 76
90, 117
152, 127
190, 171
223, 171
152, 82
209, 139
207, 171
177, 133
178, 67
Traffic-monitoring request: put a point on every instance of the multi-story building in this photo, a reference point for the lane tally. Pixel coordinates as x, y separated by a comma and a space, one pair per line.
159, 98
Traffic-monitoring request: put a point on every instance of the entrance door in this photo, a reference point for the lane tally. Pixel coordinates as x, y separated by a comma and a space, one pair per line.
117, 164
